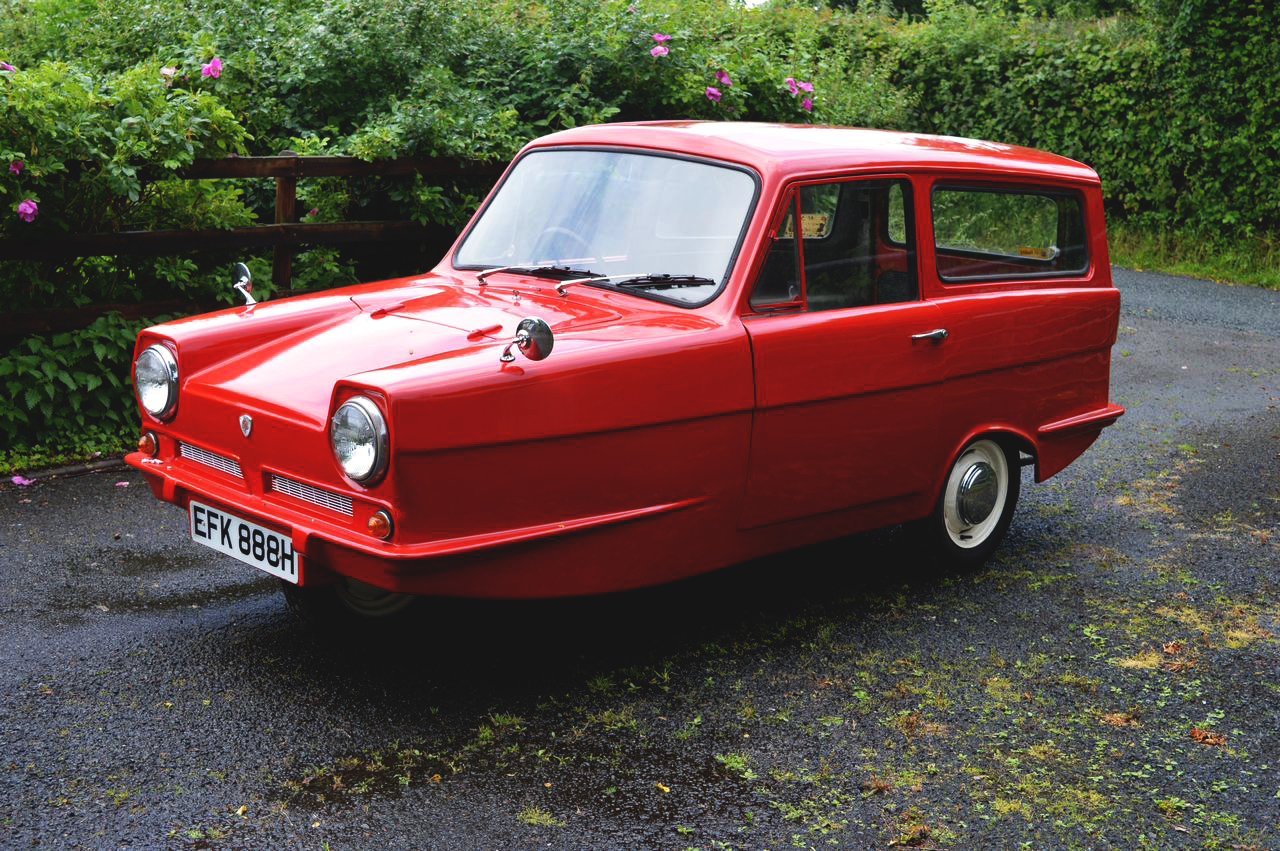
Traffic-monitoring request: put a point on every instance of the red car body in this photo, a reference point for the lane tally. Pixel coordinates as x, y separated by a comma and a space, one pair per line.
661, 438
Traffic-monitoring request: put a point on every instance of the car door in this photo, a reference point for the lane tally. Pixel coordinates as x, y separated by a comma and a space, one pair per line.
846, 356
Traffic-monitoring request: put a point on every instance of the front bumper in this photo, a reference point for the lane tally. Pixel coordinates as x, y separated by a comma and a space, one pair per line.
337, 546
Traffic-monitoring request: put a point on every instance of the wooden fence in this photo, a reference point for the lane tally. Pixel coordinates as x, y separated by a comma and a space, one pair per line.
283, 236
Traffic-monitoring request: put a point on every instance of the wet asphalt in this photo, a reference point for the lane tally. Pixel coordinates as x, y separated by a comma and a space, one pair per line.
154, 694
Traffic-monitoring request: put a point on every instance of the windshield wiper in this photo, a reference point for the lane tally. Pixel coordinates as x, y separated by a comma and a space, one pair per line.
547, 271
665, 281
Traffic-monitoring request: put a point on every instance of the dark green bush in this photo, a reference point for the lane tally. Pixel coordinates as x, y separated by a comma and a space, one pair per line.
1172, 101
69, 382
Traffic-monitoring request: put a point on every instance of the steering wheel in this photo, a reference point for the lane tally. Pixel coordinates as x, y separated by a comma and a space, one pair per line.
560, 238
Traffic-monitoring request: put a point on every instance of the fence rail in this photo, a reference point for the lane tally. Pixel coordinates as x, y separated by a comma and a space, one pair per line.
285, 234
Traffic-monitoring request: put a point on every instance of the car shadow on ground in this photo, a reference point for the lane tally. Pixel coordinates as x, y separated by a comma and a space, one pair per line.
552, 645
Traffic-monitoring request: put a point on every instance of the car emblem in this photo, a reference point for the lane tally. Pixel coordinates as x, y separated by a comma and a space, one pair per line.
246, 424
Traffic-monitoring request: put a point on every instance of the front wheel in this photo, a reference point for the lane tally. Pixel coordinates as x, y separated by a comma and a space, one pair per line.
346, 602
976, 504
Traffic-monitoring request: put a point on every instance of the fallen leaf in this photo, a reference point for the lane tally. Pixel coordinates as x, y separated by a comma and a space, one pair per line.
122, 484
916, 838
661, 788
1207, 737
1173, 648
241, 812
21, 482
876, 786
1120, 719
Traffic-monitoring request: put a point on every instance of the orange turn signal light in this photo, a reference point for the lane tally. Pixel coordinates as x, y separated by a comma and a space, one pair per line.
380, 525
147, 444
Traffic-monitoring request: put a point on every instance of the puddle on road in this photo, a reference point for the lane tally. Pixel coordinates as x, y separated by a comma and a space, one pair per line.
148, 562
132, 580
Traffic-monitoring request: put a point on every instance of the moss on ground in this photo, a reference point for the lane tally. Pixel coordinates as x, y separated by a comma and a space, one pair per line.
1069, 696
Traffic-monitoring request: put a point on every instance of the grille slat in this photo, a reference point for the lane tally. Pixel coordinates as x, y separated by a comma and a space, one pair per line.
308, 493
230, 466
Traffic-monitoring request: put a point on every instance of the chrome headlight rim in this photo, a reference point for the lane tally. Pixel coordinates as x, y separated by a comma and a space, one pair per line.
169, 366
380, 440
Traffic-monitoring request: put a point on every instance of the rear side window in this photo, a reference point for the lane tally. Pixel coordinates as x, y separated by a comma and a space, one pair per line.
981, 233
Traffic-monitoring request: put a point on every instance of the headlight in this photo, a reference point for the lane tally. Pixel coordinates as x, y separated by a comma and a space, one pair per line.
358, 434
155, 379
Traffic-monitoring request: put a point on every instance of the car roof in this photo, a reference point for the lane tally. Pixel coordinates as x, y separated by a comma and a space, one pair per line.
797, 149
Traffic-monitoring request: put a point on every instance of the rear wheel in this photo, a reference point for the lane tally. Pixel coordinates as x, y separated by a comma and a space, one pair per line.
976, 504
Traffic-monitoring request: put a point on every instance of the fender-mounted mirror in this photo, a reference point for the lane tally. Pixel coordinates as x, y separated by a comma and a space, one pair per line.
243, 282
533, 338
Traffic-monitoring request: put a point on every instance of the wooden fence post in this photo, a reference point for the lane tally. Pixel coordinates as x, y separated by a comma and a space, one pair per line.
286, 207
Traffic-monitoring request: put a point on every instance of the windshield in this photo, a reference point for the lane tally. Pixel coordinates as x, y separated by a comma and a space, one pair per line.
664, 226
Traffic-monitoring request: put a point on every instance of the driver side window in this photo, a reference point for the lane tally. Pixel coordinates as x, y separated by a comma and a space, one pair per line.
855, 247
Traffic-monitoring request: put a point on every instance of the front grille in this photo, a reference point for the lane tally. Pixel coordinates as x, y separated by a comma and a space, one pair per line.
230, 466
314, 495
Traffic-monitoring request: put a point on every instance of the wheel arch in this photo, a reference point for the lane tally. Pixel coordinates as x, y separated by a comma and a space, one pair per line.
1008, 436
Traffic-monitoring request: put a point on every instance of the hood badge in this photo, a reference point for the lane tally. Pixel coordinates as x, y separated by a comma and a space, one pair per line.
246, 424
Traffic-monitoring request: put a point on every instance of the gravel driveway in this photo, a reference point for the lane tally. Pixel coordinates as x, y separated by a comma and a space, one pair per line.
1110, 680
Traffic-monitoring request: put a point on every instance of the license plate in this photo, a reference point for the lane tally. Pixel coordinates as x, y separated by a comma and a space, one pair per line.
249, 542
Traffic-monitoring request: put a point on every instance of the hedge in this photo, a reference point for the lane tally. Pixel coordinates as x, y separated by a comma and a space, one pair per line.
1173, 104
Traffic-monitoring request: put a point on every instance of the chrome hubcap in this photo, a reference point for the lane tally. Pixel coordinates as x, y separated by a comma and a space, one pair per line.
977, 494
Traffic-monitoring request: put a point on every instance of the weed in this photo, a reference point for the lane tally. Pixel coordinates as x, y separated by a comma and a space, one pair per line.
736, 765
536, 817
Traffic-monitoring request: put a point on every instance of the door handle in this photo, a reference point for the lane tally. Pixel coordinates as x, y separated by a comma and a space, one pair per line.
937, 335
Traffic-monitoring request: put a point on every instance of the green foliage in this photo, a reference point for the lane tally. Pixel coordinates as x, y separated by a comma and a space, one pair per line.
69, 383
1171, 101
76, 144
66, 448
1223, 120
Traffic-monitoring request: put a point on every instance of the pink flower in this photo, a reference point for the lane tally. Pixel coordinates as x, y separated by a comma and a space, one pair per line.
791, 84
713, 94
313, 211
212, 69
5, 66
21, 482
659, 51
168, 71
16, 167
27, 210
723, 79
806, 105
804, 87
660, 38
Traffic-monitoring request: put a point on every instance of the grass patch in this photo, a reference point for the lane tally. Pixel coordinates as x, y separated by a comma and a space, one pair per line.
537, 817
64, 449
1254, 261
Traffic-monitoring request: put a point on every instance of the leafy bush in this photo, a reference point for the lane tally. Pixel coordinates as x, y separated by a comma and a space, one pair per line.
75, 145
1172, 101
68, 383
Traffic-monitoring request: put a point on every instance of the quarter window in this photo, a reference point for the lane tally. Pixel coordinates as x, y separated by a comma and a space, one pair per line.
990, 234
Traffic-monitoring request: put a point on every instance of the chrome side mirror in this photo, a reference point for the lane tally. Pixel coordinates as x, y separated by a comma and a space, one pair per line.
533, 338
243, 282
